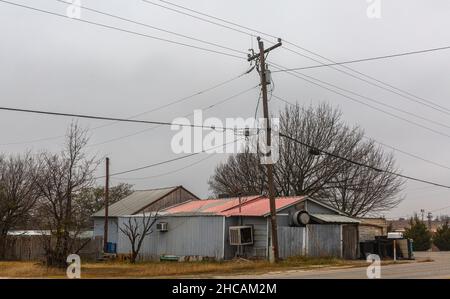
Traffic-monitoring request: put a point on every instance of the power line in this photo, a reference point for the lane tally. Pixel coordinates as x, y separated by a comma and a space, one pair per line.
409, 154
417, 99
301, 76
168, 161
155, 28
439, 209
420, 99
177, 101
186, 115
364, 165
113, 118
123, 30
149, 166
369, 99
196, 17
363, 59
372, 100
215, 18
433, 105
383, 144
169, 172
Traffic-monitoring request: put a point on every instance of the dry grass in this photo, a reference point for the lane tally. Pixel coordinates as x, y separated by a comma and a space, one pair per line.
169, 269
28, 269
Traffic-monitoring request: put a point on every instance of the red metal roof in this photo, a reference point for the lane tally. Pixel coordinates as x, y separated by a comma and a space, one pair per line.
250, 206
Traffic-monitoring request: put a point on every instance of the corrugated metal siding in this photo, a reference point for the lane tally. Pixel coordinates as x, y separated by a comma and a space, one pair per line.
99, 229
134, 202
259, 247
314, 208
186, 236
178, 196
324, 240
291, 241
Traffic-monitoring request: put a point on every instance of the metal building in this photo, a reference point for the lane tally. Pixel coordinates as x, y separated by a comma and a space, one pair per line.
139, 202
225, 228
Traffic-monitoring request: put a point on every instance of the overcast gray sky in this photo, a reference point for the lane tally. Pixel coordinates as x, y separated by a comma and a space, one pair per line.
60, 64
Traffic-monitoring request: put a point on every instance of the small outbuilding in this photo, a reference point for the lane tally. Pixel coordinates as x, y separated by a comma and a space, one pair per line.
222, 229
140, 201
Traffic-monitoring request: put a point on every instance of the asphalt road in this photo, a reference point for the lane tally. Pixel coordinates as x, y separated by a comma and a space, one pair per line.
438, 268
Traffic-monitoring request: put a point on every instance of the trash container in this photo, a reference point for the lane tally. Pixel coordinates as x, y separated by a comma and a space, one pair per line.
111, 247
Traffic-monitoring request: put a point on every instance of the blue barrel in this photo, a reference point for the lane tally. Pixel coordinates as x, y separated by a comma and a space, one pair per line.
111, 247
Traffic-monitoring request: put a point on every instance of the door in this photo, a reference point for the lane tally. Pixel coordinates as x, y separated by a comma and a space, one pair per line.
349, 241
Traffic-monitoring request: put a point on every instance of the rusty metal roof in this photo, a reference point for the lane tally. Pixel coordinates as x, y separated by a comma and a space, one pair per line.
246, 206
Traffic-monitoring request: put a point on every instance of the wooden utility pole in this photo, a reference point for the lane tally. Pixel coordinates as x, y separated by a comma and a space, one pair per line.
273, 255
105, 234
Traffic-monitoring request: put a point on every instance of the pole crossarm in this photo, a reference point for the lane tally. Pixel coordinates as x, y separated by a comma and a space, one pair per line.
256, 56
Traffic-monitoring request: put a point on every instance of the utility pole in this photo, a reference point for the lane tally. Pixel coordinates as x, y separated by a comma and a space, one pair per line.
105, 234
273, 256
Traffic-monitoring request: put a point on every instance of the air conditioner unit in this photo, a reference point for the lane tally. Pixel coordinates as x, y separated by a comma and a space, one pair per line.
162, 226
241, 235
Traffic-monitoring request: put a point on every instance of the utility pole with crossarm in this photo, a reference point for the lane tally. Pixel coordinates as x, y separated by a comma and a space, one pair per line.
273, 254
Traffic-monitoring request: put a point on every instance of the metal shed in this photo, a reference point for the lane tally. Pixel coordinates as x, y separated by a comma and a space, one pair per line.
201, 229
139, 202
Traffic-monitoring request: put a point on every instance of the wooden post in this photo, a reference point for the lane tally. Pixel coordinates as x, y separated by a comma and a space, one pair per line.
105, 234
273, 254
395, 250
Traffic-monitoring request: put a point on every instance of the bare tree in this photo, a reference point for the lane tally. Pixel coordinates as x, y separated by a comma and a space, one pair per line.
136, 231
18, 193
92, 199
360, 191
64, 175
299, 172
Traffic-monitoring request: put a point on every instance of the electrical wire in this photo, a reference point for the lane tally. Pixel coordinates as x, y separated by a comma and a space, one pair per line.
384, 144
363, 59
433, 105
301, 76
419, 99
370, 99
364, 165
186, 115
155, 28
195, 17
167, 161
179, 169
166, 173
123, 30
113, 118
171, 103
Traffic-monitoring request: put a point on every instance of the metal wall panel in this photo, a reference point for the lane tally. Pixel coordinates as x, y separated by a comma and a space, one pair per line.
186, 236
324, 240
291, 241
259, 247
99, 228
